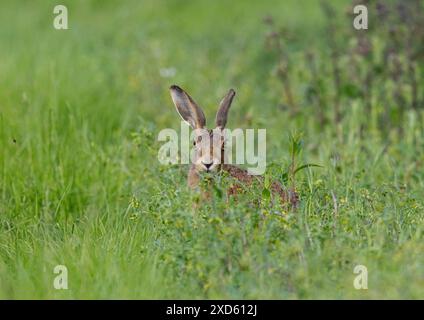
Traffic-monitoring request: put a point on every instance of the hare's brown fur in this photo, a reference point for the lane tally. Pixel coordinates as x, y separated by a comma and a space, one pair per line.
210, 157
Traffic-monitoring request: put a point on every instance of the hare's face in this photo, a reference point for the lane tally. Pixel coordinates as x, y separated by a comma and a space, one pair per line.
208, 150
208, 144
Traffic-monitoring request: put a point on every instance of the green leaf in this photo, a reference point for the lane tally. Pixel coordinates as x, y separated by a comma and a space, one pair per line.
285, 177
295, 143
351, 91
266, 181
218, 191
308, 165
266, 194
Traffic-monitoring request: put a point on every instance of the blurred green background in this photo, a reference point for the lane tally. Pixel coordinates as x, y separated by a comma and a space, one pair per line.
81, 186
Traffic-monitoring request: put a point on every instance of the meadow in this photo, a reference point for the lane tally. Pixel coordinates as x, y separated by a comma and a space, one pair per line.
81, 184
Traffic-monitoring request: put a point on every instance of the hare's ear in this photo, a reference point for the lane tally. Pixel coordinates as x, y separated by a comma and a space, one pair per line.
224, 106
187, 108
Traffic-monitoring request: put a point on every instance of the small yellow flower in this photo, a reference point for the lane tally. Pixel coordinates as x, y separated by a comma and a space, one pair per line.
134, 203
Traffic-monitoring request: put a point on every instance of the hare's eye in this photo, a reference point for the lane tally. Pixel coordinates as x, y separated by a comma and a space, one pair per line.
194, 143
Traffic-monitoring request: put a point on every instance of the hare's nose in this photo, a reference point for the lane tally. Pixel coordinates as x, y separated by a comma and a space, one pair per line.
207, 165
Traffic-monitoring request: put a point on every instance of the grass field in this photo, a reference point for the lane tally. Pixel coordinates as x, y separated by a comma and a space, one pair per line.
81, 185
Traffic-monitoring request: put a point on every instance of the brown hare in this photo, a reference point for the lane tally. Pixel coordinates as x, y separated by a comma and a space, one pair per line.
209, 151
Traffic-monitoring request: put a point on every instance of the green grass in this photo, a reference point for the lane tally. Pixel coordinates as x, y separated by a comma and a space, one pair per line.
81, 186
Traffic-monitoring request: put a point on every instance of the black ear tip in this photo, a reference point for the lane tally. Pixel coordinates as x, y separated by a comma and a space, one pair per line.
233, 92
175, 87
